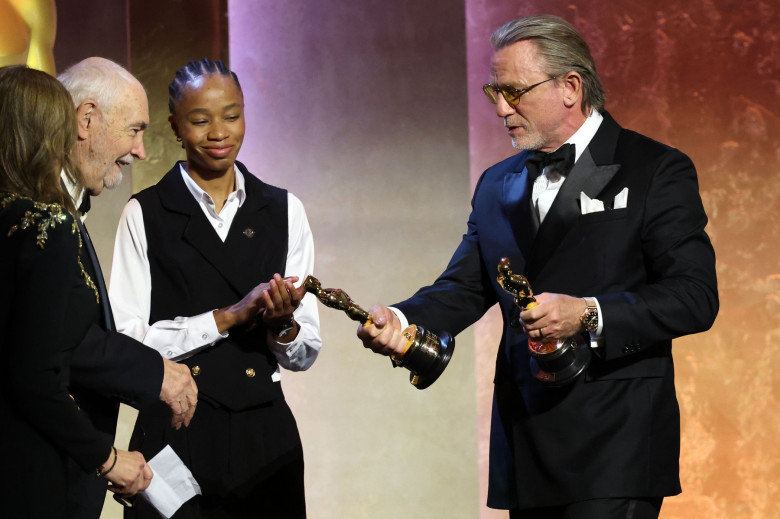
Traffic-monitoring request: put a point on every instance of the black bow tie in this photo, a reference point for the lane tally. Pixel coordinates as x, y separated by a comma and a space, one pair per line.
559, 162
85, 204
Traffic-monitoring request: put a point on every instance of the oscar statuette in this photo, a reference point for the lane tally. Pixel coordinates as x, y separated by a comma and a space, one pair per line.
555, 362
426, 354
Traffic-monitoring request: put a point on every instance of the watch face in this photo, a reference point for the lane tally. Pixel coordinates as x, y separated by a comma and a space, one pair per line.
591, 321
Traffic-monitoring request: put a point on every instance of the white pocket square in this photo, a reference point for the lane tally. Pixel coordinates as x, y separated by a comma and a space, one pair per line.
590, 205
621, 199
594, 205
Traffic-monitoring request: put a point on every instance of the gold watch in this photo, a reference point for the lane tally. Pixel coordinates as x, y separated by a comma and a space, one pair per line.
590, 317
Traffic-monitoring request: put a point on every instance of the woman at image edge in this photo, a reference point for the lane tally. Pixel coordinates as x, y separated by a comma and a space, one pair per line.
48, 302
196, 275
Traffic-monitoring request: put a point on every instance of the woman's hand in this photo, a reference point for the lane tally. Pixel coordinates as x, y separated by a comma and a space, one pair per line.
280, 301
244, 312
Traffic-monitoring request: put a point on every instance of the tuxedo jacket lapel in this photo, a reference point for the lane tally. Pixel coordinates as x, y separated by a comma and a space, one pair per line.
105, 306
587, 176
517, 207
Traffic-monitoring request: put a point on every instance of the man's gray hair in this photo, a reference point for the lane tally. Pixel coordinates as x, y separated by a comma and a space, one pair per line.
561, 47
98, 79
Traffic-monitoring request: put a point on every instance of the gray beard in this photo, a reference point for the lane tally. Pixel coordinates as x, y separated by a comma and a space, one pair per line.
113, 185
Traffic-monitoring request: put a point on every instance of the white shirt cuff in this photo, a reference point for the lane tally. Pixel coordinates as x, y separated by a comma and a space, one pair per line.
401, 317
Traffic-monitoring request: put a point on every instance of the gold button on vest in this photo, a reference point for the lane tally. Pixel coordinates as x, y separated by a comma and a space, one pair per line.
195, 371
250, 373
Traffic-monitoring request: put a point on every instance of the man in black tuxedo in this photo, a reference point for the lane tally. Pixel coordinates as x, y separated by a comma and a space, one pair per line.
612, 240
109, 367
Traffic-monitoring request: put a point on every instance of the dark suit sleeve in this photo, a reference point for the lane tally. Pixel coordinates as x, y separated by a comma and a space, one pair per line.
37, 385
460, 295
117, 366
679, 294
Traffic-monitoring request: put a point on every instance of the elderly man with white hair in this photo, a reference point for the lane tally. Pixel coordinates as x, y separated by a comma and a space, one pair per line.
108, 367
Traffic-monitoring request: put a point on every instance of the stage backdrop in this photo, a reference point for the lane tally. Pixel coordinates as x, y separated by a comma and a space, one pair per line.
372, 113
360, 109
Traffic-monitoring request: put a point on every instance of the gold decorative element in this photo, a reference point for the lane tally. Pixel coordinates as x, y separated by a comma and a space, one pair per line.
515, 284
27, 32
87, 279
44, 217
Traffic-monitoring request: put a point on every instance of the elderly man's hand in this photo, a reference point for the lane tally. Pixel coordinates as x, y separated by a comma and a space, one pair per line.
179, 392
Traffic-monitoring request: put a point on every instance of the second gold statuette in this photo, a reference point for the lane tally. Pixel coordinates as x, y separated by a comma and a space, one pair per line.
426, 354
556, 362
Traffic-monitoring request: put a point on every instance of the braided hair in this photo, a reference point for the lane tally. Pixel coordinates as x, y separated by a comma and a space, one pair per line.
193, 71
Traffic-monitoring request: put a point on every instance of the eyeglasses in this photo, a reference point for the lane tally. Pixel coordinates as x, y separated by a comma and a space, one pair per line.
510, 93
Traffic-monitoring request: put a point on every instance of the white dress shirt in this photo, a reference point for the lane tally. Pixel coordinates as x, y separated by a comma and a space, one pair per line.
545, 189
76, 193
131, 284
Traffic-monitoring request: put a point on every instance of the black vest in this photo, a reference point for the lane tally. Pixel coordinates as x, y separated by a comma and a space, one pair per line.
193, 272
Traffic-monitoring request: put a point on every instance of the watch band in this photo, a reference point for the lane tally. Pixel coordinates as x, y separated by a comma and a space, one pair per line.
590, 317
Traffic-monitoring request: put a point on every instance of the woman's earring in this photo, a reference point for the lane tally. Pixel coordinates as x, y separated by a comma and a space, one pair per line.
178, 139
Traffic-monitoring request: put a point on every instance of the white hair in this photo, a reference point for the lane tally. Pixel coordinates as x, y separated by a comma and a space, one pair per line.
98, 79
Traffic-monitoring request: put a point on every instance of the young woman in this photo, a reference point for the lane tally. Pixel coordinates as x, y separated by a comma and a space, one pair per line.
197, 275
48, 301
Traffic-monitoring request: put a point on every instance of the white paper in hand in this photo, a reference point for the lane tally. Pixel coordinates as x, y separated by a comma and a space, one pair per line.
172, 485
